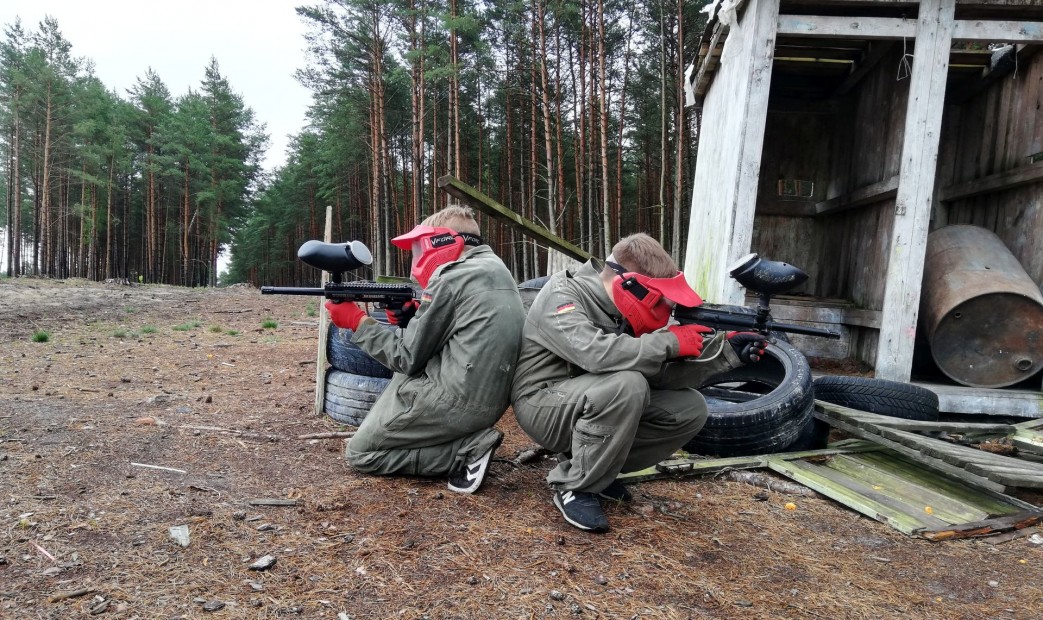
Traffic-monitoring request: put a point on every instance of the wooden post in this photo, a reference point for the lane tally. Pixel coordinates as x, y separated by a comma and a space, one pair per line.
324, 322
923, 124
724, 193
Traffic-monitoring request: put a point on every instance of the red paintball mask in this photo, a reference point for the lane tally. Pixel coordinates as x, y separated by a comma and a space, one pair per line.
643, 299
432, 247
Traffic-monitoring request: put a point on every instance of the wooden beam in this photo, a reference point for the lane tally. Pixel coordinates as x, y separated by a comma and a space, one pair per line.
882, 190
1002, 63
919, 163
998, 31
476, 199
877, 53
847, 27
1009, 179
702, 78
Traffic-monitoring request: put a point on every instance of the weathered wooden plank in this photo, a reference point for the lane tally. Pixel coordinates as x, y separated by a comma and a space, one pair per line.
981, 401
912, 213
957, 454
472, 197
915, 455
909, 491
843, 491
1001, 181
986, 527
995, 31
847, 27
883, 190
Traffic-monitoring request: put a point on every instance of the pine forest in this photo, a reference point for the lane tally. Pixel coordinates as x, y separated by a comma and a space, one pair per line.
571, 114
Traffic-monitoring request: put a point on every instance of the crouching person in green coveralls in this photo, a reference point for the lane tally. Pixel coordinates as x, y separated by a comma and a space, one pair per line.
603, 384
453, 359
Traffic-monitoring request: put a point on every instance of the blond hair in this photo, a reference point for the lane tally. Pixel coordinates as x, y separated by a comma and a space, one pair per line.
456, 217
641, 253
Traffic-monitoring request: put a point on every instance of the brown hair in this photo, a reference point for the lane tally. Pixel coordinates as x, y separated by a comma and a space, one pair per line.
457, 217
640, 253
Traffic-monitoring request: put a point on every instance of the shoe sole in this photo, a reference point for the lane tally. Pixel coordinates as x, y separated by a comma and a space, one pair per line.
585, 528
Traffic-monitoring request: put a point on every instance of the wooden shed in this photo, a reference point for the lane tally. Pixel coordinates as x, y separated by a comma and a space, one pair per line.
836, 134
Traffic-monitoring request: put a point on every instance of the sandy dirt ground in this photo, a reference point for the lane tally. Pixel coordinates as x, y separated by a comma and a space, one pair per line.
153, 407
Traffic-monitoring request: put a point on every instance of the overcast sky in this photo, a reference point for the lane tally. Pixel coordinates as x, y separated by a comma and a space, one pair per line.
258, 45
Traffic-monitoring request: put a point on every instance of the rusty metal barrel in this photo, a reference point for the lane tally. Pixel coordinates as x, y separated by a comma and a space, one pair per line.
981, 312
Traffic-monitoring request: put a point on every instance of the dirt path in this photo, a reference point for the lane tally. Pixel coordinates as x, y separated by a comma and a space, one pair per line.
190, 381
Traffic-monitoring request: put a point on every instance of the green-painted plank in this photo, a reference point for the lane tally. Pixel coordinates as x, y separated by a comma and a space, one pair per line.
945, 507
1028, 441
916, 472
810, 476
698, 466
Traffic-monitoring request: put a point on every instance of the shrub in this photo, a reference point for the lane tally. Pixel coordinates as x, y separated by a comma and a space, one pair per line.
269, 323
41, 336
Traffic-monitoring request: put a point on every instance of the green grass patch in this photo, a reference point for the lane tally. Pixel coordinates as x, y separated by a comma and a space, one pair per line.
184, 327
148, 329
269, 323
41, 335
216, 329
119, 333
232, 332
312, 309
130, 309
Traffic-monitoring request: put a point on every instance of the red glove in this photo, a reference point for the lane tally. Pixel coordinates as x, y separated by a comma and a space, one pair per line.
749, 346
399, 316
690, 337
345, 315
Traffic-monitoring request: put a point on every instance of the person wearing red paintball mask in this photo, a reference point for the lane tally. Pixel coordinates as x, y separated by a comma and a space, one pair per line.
602, 379
453, 359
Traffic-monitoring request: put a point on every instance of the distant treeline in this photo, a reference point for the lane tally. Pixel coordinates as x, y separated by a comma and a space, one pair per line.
569, 113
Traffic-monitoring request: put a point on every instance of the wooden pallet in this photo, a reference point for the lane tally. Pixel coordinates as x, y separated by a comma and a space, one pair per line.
985, 470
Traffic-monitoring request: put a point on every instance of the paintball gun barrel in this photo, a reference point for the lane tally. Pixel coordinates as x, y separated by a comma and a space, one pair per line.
336, 258
764, 278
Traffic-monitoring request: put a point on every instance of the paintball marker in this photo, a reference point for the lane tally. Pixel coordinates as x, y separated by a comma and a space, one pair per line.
336, 258
765, 278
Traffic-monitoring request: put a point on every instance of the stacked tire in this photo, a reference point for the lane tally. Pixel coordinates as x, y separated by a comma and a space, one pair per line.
354, 379
760, 408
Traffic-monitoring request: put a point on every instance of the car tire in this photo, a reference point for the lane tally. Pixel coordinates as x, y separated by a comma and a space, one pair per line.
349, 397
346, 356
880, 396
758, 408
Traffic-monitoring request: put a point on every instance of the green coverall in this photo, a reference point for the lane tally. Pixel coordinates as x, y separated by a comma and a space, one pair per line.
606, 401
453, 367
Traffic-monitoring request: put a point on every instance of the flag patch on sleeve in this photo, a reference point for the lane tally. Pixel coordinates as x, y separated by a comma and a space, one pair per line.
425, 297
567, 307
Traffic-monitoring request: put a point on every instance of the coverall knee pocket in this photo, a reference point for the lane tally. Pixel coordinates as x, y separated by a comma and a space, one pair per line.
588, 441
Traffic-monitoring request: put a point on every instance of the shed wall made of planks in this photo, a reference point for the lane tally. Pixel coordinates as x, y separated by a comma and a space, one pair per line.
998, 132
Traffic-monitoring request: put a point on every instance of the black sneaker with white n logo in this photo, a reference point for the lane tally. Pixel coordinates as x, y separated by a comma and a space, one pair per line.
582, 510
470, 476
